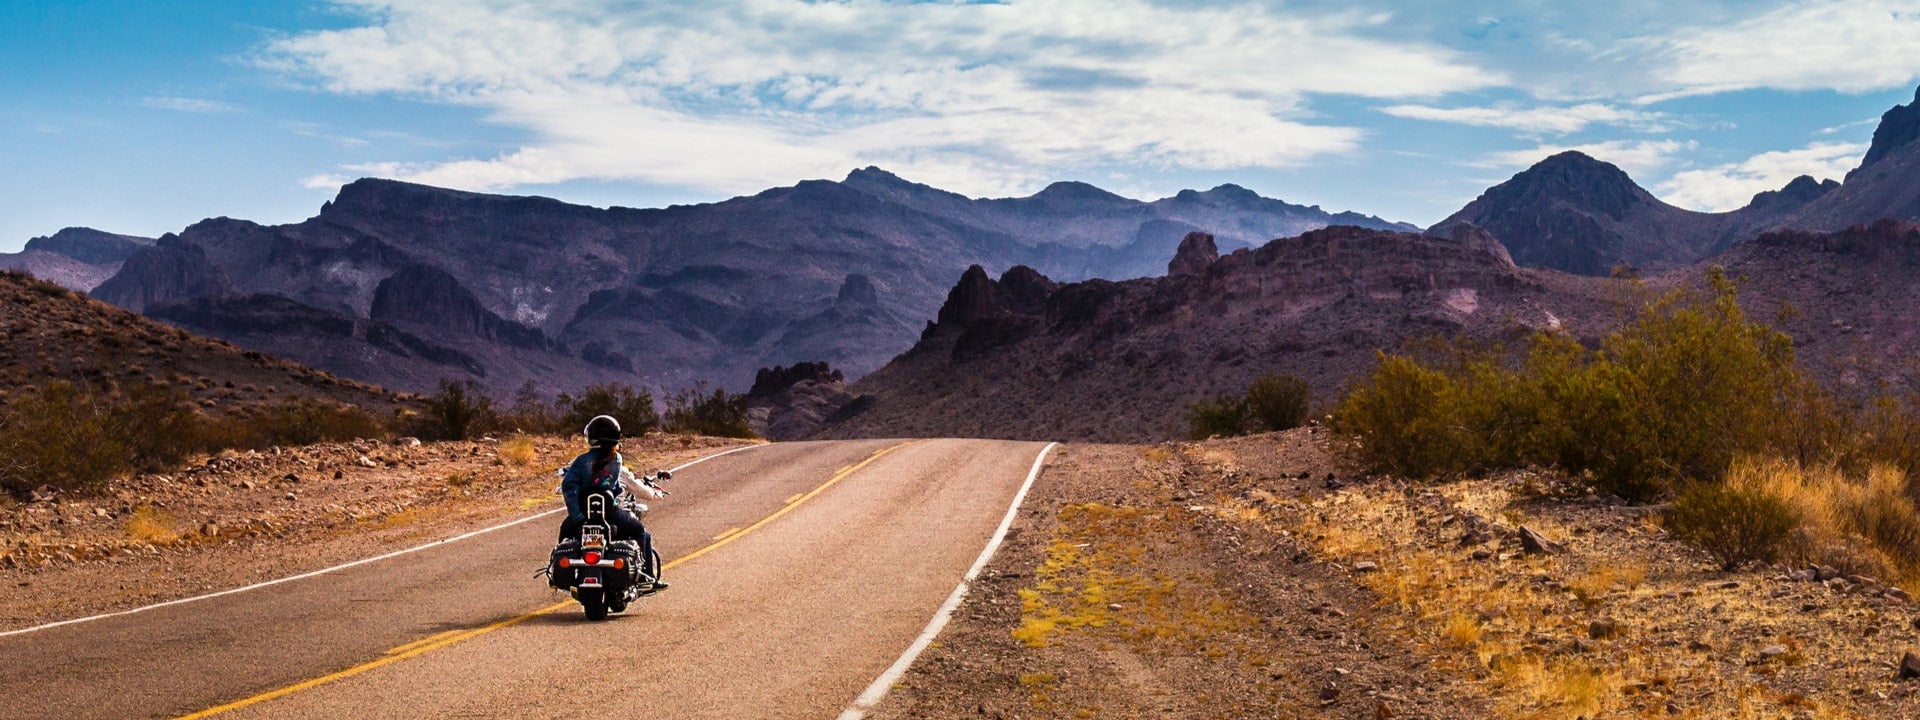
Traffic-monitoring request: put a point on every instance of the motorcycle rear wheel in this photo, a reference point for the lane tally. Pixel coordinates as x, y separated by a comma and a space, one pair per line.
595, 602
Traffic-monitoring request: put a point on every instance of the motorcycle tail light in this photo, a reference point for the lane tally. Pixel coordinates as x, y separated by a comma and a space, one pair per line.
593, 558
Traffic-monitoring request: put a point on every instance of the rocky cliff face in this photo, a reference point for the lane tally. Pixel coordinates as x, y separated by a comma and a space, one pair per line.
1886, 185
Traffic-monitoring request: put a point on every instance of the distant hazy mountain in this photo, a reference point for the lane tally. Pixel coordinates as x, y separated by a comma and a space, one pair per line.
77, 258
1574, 213
402, 284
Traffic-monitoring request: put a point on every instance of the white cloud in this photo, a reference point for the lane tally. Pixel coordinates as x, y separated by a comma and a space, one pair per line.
1731, 186
1638, 158
1537, 120
984, 98
1844, 45
189, 105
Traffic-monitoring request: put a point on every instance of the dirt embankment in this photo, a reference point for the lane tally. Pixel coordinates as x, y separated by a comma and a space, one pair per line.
1258, 578
241, 518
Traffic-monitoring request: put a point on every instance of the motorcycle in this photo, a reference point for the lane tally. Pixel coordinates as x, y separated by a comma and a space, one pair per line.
603, 572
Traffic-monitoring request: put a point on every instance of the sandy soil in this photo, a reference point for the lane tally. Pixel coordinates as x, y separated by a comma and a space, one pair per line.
241, 518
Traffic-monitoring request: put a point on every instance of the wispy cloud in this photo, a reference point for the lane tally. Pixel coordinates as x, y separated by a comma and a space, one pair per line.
188, 105
1730, 186
1638, 158
985, 98
1556, 120
1843, 45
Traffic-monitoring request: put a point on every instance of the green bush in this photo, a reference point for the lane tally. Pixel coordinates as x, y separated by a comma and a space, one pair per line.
1277, 402
1674, 396
64, 435
1736, 525
633, 407
1223, 416
698, 412
457, 412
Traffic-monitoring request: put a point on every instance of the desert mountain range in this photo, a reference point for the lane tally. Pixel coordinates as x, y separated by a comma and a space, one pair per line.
403, 284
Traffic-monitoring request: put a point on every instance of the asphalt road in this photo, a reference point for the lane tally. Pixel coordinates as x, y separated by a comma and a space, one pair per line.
816, 592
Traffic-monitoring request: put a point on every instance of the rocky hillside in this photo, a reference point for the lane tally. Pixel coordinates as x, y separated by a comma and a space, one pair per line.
1022, 356
504, 289
52, 333
75, 258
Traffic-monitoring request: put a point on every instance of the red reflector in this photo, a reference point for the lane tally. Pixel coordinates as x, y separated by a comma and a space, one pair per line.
619, 564
566, 562
593, 558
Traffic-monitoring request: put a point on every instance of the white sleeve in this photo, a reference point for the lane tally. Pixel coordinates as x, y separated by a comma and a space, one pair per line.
631, 484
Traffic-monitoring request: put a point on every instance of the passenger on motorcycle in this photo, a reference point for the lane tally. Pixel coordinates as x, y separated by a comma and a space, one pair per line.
600, 470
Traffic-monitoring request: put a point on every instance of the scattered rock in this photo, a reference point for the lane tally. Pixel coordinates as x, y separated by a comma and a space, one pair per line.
1536, 544
1770, 652
409, 442
1909, 667
1602, 629
1365, 566
210, 530
1827, 572
365, 461
1728, 585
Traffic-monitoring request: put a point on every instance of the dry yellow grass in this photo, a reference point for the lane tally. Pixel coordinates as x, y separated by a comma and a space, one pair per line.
1463, 631
152, 526
518, 452
1868, 526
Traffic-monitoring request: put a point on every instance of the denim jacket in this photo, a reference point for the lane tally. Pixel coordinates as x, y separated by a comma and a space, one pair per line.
579, 475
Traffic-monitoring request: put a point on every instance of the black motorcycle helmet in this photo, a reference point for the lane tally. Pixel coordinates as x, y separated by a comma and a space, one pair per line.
603, 430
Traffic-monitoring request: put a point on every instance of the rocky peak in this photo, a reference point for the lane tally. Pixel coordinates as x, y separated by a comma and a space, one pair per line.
970, 300
1899, 127
1574, 175
858, 289
769, 382
170, 270
1798, 192
873, 175
1196, 253
1024, 290
90, 246
1474, 238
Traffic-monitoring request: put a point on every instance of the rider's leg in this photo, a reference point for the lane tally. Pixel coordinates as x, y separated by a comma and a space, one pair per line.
631, 527
570, 528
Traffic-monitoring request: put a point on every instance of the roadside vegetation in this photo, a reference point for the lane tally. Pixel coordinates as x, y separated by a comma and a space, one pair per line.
1273, 402
79, 437
1691, 401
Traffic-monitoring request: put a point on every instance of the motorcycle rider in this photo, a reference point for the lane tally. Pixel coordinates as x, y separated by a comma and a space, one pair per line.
600, 469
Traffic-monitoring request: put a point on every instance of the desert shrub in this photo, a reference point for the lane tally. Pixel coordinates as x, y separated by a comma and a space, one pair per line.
457, 412
1223, 416
519, 451
633, 407
531, 412
718, 413
1867, 523
1737, 525
1674, 396
305, 422
1277, 402
63, 435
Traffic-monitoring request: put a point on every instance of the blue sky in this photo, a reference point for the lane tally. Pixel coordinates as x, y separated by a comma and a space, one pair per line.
142, 117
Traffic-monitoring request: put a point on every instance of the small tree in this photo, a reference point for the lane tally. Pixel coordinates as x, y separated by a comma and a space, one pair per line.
1277, 402
458, 411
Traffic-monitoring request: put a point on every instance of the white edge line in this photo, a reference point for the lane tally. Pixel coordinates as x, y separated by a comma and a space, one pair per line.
336, 568
878, 690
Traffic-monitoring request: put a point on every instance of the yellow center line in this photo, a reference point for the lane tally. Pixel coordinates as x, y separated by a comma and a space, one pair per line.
451, 637
796, 496
729, 533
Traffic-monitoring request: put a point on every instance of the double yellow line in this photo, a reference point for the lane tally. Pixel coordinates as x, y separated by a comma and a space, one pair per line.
435, 642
